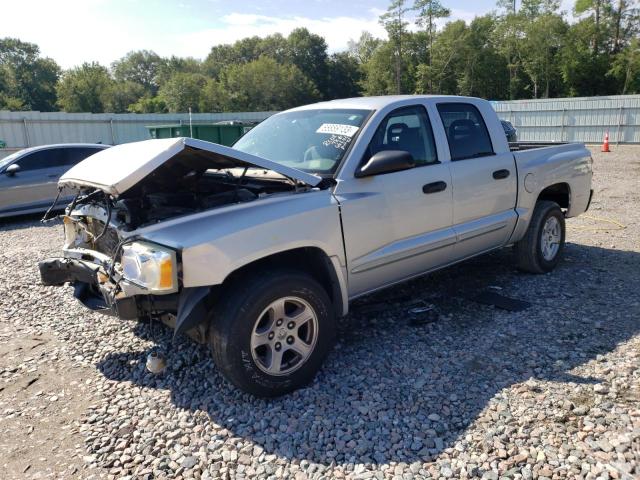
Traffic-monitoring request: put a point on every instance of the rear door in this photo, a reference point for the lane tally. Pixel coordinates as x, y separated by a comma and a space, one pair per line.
397, 225
484, 180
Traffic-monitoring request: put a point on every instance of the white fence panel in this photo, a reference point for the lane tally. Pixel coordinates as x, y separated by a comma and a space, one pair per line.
28, 129
559, 119
575, 119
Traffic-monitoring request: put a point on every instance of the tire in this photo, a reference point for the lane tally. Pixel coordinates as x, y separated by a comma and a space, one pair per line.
535, 254
246, 317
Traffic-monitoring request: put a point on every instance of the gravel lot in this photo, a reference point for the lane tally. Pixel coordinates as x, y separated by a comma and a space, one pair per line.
549, 392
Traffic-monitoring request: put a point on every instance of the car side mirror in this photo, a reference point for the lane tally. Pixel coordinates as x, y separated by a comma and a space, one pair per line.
12, 170
386, 161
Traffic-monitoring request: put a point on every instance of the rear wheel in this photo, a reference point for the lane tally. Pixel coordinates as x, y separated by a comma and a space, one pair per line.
541, 248
272, 331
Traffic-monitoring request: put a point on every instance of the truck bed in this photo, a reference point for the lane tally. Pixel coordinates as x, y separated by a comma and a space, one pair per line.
519, 146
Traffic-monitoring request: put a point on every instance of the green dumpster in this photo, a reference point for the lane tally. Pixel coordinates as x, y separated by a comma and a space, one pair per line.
224, 134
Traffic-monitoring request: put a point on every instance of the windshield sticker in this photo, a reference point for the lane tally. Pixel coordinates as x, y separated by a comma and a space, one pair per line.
338, 141
338, 129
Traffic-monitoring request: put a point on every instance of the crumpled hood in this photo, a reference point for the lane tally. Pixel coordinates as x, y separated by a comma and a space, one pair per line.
117, 169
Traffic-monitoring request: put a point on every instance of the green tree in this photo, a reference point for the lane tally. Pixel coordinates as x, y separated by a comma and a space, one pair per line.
173, 65
428, 12
626, 24
308, 52
598, 10
30, 81
447, 61
265, 84
482, 71
508, 36
532, 9
396, 26
214, 98
148, 105
141, 67
380, 71
626, 68
543, 41
244, 51
183, 91
119, 96
584, 71
84, 88
363, 48
8, 89
345, 76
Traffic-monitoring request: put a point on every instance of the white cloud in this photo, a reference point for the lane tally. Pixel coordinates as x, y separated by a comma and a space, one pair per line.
337, 31
76, 31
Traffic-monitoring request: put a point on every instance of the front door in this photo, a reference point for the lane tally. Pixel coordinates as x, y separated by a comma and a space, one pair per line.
398, 225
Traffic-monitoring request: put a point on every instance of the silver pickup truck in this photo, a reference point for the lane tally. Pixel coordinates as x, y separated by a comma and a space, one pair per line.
258, 249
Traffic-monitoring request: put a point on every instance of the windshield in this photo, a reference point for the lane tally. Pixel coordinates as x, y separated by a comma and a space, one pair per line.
313, 141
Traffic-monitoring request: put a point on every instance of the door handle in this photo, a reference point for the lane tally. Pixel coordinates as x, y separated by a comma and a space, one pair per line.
500, 174
434, 187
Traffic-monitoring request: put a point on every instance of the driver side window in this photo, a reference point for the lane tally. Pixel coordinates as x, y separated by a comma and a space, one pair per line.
406, 129
41, 159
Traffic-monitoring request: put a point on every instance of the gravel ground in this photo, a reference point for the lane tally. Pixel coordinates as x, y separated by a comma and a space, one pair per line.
549, 392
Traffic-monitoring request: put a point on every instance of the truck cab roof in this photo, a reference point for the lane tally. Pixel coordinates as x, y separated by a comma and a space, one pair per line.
379, 102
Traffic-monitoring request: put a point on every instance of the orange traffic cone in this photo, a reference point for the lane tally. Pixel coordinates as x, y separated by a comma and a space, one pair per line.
605, 145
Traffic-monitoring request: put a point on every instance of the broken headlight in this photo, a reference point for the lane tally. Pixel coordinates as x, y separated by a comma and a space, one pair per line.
150, 266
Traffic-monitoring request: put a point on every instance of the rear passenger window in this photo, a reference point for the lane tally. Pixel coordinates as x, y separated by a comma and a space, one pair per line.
466, 131
76, 155
55, 157
406, 129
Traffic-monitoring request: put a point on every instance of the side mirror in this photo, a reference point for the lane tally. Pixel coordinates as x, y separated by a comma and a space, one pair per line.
386, 161
12, 170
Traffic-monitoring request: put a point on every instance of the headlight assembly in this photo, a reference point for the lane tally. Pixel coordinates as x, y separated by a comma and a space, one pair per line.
150, 266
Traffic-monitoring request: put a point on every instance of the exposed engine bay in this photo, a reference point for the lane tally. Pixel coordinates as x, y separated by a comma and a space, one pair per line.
184, 185
167, 194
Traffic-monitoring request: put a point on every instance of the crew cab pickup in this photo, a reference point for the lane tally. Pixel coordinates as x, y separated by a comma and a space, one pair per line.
258, 249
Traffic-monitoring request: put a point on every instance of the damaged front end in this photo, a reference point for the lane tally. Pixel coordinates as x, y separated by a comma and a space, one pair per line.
116, 271
115, 274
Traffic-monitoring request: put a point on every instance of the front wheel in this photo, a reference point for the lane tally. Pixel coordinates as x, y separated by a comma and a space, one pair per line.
541, 248
271, 333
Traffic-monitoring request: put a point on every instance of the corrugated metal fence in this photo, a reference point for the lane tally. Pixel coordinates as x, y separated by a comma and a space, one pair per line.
584, 119
561, 119
28, 129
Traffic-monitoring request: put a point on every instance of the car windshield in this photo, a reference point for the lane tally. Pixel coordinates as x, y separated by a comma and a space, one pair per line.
310, 140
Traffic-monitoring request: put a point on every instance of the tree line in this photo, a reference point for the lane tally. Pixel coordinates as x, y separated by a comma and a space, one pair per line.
519, 51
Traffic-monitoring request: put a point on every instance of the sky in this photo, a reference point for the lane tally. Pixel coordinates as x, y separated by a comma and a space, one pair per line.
76, 31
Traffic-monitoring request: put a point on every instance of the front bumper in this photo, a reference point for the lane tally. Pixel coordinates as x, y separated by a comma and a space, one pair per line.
91, 286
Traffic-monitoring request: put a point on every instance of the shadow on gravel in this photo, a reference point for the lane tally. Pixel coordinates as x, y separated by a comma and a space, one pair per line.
392, 391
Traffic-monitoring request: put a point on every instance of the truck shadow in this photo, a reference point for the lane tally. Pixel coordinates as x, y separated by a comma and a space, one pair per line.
396, 391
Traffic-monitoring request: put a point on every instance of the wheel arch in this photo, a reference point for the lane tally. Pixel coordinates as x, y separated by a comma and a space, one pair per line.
559, 193
314, 261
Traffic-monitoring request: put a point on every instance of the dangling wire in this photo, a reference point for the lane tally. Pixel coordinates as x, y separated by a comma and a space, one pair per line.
46, 219
106, 224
